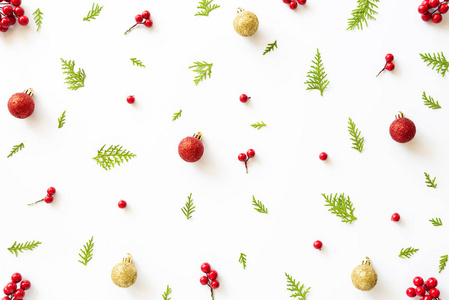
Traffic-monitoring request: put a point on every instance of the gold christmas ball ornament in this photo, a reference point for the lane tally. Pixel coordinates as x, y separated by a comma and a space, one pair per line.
364, 277
246, 22
124, 274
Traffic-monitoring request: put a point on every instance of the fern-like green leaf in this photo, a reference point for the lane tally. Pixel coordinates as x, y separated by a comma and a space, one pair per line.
203, 69
430, 182
87, 251
108, 158
38, 17
298, 292
437, 60
258, 125
93, 13
61, 120
242, 260
443, 261
430, 102
357, 140
177, 115
137, 62
436, 222
317, 76
15, 149
259, 207
206, 7
340, 206
20, 247
366, 9
75, 80
166, 293
407, 252
189, 208
271, 47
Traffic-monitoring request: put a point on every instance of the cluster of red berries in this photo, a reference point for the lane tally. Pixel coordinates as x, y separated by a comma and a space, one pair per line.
49, 198
433, 10
9, 15
12, 292
122, 204
144, 19
210, 279
294, 4
389, 65
424, 287
245, 157
395, 217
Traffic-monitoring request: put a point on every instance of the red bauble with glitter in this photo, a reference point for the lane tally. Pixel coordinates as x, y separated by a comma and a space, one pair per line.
191, 149
21, 105
402, 130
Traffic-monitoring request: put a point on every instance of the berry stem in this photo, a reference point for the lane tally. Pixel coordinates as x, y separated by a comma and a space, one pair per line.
36, 202
132, 27
211, 291
382, 70
246, 166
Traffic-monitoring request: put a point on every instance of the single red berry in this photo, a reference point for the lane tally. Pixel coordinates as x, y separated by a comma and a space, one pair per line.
437, 18
420, 291
5, 22
425, 286
8, 10
48, 199
205, 267
2, 29
16, 277
12, 20
426, 297
425, 3
389, 66
25, 285
422, 9
204, 280
130, 99
23, 20
6, 298
122, 204
6, 292
395, 217
444, 8
389, 57
302, 2
432, 282
418, 281
242, 157
318, 245
434, 3
139, 19
411, 292
16, 2
293, 5
435, 293
323, 156
148, 23
19, 11
214, 284
51, 191
286, 1
426, 17
146, 14
244, 98
212, 275
11, 287
251, 153
19, 294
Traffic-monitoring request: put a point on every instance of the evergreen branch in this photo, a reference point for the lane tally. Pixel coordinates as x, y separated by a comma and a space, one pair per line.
436, 222
166, 293
203, 69
271, 47
16, 149
407, 252
177, 115
108, 158
429, 182
437, 60
137, 62
443, 261
94, 12
75, 80
298, 292
38, 18
258, 125
259, 207
20, 247
430, 102
340, 206
206, 7
317, 75
242, 260
87, 253
61, 120
357, 140
366, 9
189, 208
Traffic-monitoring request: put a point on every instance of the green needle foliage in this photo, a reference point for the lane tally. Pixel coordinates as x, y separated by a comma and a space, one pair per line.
137, 62
357, 140
366, 9
436, 222
166, 293
206, 7
203, 69
61, 120
271, 47
75, 80
242, 260
16, 149
317, 76
259, 207
407, 252
94, 12
189, 208
258, 125
108, 158
38, 18
437, 60
87, 251
298, 292
177, 115
341, 206
430, 102
443, 261
20, 247
429, 182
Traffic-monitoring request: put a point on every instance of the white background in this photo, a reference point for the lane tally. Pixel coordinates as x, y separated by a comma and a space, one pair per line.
286, 174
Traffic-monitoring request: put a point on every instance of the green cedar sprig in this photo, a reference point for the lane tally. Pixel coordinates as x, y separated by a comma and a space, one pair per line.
203, 69
177, 115
340, 206
38, 18
298, 292
429, 182
366, 9
443, 261
271, 47
189, 208
206, 7
61, 120
258, 125
436, 222
137, 62
87, 251
357, 140
259, 207
242, 260
430, 102
20, 247
94, 12
108, 158
437, 60
317, 76
167, 293
75, 80
407, 252
15, 149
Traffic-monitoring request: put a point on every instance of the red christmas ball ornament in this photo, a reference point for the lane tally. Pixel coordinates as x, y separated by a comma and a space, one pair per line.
191, 149
402, 130
21, 105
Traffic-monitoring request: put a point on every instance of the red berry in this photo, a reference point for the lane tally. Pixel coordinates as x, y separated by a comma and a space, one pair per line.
212, 275
16, 277
25, 285
425, 286
11, 287
204, 280
51, 191
418, 281
389, 66
426, 17
8, 10
6, 298
422, 9
411, 292
435, 293
23, 20
7, 292
214, 284
2, 29
293, 5
130, 99
146, 14
434, 3
395, 217
242, 157
19, 11
432, 283
16, 2
286, 1
318, 245
389, 57
323, 156
5, 22
122, 204
205, 267
139, 19
420, 291
251, 153
148, 23
12, 20
437, 18
426, 297
302, 2
244, 98
48, 199
19, 294
425, 3
443, 8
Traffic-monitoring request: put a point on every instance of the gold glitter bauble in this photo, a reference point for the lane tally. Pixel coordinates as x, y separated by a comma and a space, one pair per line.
124, 274
364, 277
246, 23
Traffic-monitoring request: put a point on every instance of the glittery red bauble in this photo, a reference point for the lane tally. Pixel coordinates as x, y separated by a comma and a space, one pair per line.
402, 130
21, 105
191, 149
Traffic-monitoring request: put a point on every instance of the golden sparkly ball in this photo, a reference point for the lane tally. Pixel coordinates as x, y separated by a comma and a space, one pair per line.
124, 274
246, 23
364, 277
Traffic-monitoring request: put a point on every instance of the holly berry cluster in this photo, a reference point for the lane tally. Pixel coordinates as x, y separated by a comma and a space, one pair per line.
210, 279
389, 65
433, 10
144, 19
9, 14
12, 292
49, 198
424, 287
245, 157
294, 4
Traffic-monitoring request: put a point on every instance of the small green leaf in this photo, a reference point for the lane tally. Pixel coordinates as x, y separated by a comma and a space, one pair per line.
443, 261
271, 47
20, 247
177, 115
166, 293
16, 149
108, 158
317, 75
430, 183
38, 17
430, 102
436, 222
407, 252
341, 207
61, 120
258, 125
94, 12
75, 80
242, 260
366, 9
87, 252
137, 62
206, 7
259, 207
437, 60
298, 292
203, 69
357, 140
189, 208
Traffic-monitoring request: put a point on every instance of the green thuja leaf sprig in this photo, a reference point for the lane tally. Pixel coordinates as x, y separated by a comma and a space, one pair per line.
20, 247
203, 69
430, 182
357, 140
189, 208
87, 251
407, 252
443, 261
137, 62
166, 293
259, 207
61, 120
366, 9
38, 18
437, 60
108, 158
242, 260
16, 149
317, 76
258, 125
94, 12
75, 80
271, 47
177, 115
206, 7
298, 292
430, 102
436, 222
341, 206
